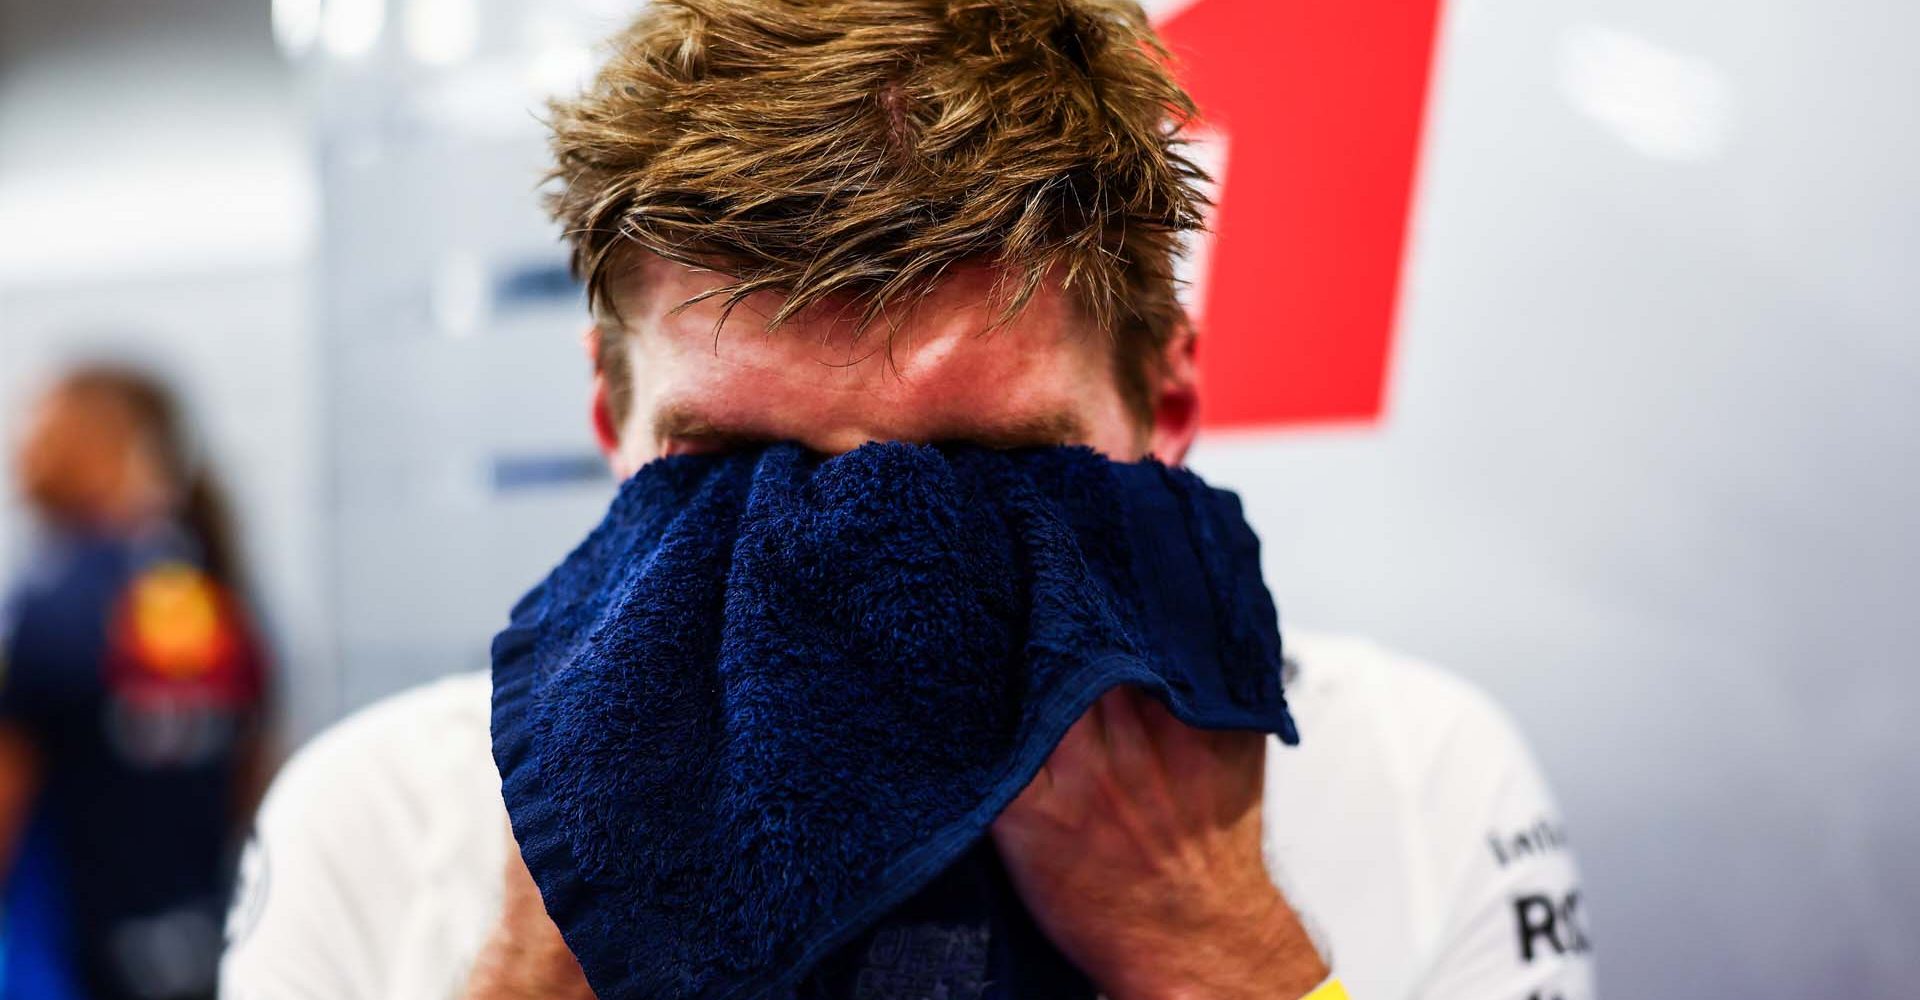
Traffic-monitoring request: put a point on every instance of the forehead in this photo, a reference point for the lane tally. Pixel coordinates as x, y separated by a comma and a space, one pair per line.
950, 366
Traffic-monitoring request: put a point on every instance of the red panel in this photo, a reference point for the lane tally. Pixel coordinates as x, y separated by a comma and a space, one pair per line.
1322, 103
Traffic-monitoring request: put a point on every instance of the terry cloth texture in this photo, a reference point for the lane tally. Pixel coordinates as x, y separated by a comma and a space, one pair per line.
775, 694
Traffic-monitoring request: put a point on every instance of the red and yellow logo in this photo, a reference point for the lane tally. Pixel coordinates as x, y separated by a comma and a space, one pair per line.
176, 622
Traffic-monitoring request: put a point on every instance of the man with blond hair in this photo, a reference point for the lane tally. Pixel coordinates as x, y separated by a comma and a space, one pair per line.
841, 221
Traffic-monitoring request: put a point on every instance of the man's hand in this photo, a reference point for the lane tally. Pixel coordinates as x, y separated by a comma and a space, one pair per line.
1137, 848
524, 958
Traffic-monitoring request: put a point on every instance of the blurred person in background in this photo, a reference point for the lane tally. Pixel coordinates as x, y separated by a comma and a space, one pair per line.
130, 703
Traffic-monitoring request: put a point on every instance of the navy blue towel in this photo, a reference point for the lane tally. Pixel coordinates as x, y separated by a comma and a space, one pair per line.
774, 696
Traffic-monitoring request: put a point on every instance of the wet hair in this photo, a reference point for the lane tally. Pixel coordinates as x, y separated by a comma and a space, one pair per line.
856, 151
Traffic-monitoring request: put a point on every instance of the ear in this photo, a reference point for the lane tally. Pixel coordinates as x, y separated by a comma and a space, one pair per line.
1176, 400
605, 432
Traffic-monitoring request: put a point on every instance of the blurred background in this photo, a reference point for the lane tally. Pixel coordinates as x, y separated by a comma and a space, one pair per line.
1573, 345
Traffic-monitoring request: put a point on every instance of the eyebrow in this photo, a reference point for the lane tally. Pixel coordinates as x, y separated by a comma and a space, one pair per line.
680, 422
684, 423
1050, 428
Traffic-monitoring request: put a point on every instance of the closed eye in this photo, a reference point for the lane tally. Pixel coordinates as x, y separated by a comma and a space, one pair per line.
709, 444
680, 431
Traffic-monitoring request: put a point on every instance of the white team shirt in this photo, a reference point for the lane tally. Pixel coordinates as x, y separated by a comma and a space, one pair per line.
1411, 829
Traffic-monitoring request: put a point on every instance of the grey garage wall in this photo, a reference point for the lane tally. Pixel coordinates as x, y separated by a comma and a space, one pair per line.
1651, 471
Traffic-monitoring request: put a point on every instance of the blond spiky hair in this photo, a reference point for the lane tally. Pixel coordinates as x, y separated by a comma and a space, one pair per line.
857, 150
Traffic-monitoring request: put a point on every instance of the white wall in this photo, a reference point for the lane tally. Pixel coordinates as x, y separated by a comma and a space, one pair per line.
1649, 470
